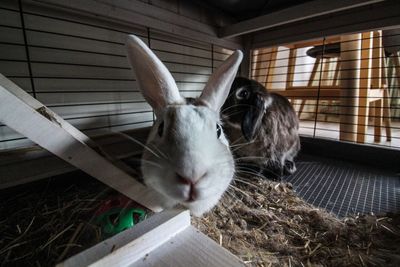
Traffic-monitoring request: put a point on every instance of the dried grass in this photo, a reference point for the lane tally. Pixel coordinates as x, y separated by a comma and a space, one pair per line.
266, 224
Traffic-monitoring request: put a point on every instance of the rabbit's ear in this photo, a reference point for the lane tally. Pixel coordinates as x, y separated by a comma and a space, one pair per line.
252, 119
155, 81
219, 84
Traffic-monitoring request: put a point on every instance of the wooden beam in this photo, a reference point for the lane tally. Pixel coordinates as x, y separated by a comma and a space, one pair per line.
350, 48
381, 15
129, 246
139, 13
164, 239
292, 14
26, 115
365, 85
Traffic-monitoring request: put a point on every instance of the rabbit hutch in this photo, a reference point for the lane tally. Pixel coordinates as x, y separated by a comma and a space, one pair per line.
74, 125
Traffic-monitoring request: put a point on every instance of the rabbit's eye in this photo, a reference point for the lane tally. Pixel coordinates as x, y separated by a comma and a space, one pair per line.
242, 94
160, 129
219, 130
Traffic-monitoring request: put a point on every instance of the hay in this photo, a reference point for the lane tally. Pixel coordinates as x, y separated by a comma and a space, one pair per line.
46, 222
266, 224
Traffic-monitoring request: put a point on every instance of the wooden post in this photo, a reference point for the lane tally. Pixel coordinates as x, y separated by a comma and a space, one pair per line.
365, 84
377, 57
350, 74
377, 120
271, 68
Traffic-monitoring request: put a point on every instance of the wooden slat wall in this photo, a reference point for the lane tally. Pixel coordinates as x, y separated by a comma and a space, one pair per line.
78, 68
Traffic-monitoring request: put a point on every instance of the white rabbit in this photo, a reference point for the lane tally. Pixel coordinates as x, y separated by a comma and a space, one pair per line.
187, 157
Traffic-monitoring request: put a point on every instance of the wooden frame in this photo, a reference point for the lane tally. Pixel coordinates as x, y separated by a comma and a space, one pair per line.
362, 79
139, 13
292, 14
165, 239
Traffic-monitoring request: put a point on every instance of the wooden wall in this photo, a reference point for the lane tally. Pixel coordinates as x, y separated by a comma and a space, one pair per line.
76, 65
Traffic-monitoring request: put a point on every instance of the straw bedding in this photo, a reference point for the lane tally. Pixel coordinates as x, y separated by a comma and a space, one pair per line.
262, 222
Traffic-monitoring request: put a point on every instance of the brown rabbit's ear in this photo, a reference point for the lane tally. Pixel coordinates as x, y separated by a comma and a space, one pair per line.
155, 81
219, 84
252, 119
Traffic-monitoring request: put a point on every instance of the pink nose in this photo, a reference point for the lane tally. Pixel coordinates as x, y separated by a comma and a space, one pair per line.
192, 192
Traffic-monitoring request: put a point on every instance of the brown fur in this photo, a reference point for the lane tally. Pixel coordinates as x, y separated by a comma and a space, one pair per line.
275, 141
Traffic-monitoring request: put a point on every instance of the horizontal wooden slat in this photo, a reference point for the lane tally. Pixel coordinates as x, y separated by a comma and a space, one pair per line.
9, 4
99, 109
73, 85
11, 35
24, 83
55, 25
12, 52
181, 49
13, 144
190, 77
191, 86
52, 55
10, 18
75, 43
10, 68
74, 71
187, 59
107, 121
84, 98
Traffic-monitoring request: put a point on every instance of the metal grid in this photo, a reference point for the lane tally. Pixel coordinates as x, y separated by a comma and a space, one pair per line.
345, 188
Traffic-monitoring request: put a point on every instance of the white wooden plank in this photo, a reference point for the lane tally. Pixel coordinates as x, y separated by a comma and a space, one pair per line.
10, 18
189, 248
59, 137
45, 85
15, 52
10, 68
132, 244
11, 35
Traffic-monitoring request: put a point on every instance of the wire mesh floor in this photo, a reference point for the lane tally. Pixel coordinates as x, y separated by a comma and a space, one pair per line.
345, 188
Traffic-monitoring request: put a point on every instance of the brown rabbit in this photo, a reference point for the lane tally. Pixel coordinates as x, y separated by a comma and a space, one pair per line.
262, 128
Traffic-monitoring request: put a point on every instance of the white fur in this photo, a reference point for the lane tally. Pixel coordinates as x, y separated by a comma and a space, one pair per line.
189, 145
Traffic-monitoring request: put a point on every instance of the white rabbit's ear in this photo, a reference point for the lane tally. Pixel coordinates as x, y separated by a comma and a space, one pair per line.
220, 82
155, 81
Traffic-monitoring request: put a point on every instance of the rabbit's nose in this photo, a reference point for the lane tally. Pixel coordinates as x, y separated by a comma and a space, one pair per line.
192, 184
187, 181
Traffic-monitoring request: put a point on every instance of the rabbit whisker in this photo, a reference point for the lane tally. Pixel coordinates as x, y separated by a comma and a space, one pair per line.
137, 142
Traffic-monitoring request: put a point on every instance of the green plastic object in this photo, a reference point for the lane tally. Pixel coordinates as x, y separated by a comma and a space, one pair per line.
116, 220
